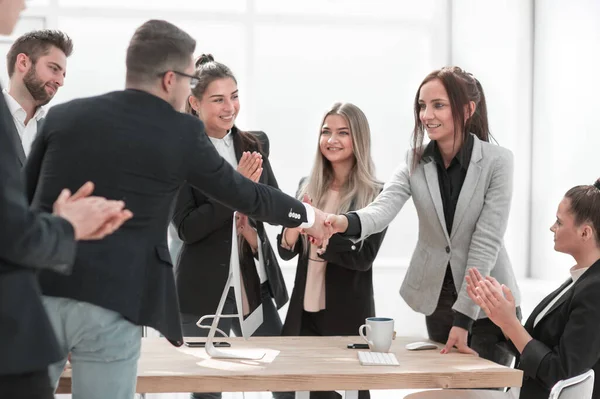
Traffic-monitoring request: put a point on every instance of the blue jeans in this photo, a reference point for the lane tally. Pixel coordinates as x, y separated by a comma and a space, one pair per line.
104, 348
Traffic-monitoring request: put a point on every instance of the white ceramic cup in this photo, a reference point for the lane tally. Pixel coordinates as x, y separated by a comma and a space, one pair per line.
379, 333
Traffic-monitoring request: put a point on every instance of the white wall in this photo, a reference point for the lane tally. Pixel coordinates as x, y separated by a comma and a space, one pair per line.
566, 137
292, 59
537, 61
494, 41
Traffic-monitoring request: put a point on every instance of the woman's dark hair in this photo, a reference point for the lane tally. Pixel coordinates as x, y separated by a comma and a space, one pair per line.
462, 88
585, 206
207, 71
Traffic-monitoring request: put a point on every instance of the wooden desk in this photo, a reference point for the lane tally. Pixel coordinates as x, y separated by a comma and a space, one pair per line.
304, 364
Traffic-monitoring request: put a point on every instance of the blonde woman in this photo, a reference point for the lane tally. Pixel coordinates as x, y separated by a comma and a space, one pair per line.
333, 291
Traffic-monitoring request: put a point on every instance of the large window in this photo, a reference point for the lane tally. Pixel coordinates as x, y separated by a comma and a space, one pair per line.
293, 59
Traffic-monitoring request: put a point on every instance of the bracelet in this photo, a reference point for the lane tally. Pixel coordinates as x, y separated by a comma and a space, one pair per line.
317, 260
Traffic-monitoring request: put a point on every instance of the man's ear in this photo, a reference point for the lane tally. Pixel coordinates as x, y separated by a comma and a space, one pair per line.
168, 81
23, 63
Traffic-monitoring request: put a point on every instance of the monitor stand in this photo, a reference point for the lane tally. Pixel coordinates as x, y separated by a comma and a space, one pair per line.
225, 353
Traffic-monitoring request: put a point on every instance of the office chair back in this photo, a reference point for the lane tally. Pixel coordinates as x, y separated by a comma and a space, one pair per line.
578, 387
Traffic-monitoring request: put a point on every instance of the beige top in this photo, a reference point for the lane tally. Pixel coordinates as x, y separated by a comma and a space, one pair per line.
314, 291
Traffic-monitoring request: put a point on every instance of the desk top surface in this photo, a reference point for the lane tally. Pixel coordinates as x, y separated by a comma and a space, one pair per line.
307, 363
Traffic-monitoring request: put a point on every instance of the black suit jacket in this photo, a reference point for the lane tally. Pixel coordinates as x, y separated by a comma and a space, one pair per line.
566, 341
29, 241
204, 226
349, 296
135, 147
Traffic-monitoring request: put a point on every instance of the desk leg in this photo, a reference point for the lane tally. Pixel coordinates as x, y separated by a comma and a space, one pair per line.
302, 394
351, 395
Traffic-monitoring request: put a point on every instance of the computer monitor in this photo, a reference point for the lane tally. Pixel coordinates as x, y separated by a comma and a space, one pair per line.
246, 286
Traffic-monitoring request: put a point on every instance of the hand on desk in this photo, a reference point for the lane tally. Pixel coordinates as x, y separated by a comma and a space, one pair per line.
458, 338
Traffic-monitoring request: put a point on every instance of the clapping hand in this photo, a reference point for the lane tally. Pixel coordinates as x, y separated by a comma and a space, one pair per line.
250, 165
92, 217
495, 299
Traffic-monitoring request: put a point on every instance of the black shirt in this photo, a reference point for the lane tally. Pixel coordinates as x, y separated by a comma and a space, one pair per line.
451, 180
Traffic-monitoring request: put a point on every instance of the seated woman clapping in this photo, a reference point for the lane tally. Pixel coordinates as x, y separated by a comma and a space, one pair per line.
561, 338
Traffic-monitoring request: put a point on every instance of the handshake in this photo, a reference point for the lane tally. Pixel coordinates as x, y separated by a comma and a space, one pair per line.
324, 226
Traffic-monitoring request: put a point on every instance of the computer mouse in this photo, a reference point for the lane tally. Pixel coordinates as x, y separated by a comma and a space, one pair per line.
419, 346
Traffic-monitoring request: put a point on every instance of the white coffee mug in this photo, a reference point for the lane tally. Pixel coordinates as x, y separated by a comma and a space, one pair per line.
380, 333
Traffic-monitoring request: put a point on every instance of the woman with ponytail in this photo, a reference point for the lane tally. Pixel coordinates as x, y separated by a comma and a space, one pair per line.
205, 225
560, 338
461, 186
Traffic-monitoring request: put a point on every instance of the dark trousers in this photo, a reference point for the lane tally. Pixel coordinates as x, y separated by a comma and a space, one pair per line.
270, 327
485, 338
34, 385
312, 326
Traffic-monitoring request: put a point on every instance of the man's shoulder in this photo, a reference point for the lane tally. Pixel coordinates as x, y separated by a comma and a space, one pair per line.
90, 104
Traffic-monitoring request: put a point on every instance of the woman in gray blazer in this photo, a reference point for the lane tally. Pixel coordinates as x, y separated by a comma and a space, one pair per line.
560, 338
461, 186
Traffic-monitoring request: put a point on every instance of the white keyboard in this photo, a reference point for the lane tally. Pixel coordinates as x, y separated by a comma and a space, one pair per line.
377, 359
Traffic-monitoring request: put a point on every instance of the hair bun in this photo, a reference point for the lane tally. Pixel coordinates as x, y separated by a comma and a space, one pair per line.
597, 184
204, 59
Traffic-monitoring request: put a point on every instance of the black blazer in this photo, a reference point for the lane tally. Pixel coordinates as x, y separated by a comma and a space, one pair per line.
204, 226
29, 241
134, 146
348, 284
566, 340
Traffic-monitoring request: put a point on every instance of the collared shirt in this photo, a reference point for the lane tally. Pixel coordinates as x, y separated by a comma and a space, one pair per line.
515, 392
451, 179
575, 275
225, 148
27, 132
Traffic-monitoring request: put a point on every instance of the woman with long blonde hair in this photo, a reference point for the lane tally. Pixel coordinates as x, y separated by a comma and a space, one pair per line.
333, 290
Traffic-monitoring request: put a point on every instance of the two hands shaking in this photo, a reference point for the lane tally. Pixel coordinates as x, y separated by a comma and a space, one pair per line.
324, 226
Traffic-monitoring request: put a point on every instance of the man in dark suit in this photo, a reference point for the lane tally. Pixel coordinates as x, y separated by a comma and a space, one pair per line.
136, 146
30, 241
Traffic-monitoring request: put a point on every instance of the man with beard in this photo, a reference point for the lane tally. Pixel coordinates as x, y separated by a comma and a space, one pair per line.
30, 241
37, 64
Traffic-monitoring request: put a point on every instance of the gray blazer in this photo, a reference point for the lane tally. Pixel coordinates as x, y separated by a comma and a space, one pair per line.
477, 232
